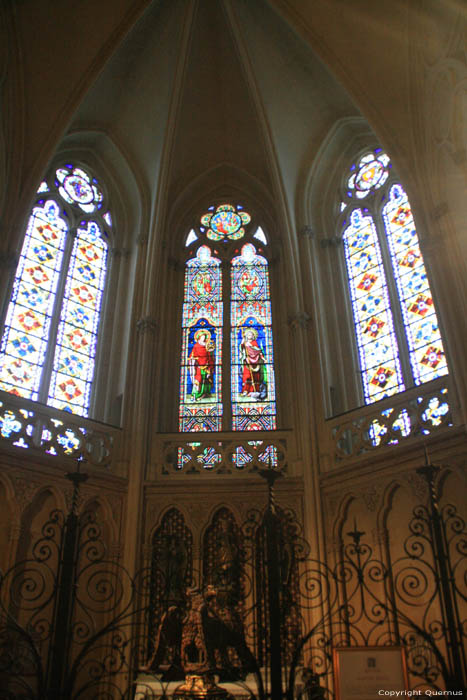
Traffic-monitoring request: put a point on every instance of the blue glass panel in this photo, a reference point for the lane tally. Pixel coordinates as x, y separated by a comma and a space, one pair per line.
27, 324
376, 340
73, 366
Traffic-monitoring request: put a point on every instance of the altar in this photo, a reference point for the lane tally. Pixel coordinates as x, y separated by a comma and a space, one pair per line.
150, 686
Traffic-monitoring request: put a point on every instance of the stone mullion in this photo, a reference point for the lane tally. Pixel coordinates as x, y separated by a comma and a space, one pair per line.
47, 367
395, 301
226, 393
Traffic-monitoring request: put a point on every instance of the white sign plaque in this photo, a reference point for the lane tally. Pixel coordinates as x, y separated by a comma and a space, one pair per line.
364, 673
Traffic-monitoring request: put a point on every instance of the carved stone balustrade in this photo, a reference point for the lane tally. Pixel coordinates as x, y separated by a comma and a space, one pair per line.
416, 413
218, 453
43, 430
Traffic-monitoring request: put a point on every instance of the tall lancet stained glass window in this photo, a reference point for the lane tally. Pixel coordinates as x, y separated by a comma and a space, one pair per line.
398, 337
48, 346
227, 298
201, 375
252, 375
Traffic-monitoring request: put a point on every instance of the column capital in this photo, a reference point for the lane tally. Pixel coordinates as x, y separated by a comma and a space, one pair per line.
307, 232
146, 324
120, 252
439, 211
331, 242
175, 263
301, 319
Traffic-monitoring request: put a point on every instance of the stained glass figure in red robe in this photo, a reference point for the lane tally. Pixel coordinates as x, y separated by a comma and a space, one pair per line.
254, 382
201, 364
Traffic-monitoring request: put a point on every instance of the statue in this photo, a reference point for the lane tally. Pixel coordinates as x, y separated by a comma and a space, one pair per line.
196, 640
174, 557
166, 657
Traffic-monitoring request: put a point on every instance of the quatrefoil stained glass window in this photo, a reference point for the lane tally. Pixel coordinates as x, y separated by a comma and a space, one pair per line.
225, 222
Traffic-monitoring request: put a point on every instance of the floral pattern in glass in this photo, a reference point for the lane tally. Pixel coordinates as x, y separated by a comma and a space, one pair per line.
48, 347
426, 351
381, 244
27, 324
376, 340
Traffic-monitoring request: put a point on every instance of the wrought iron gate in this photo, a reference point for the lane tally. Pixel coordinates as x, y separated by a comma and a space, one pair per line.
74, 624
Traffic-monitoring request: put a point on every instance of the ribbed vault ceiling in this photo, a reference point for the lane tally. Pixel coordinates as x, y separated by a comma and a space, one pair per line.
199, 85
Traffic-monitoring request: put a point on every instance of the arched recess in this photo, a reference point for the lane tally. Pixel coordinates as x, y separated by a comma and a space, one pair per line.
326, 276
36, 563
45, 502
413, 579
224, 573
171, 569
223, 558
224, 184
95, 555
129, 199
386, 553
336, 526
451, 488
387, 339
96, 517
125, 195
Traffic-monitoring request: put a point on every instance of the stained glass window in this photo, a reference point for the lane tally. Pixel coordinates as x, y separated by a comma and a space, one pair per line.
377, 343
201, 375
370, 174
252, 369
426, 352
76, 187
387, 274
231, 388
49, 339
225, 222
27, 325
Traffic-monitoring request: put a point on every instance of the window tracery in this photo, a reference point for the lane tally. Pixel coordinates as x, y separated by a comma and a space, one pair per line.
49, 340
227, 372
397, 332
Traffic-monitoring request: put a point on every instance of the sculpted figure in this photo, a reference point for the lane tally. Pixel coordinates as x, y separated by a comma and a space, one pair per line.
197, 640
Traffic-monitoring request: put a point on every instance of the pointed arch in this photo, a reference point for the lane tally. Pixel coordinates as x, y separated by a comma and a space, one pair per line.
171, 568
395, 323
226, 267
48, 348
223, 554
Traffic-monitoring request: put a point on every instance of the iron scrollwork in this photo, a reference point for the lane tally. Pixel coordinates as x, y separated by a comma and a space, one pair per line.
75, 624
